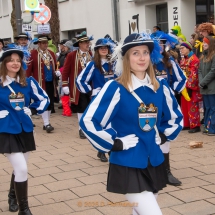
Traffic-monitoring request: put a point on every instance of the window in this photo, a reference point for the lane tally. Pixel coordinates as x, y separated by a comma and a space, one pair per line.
204, 11
162, 17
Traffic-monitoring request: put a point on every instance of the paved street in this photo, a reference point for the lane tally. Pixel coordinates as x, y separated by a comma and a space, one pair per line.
65, 176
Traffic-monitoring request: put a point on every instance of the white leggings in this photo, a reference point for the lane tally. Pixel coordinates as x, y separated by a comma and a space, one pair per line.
165, 148
19, 162
146, 203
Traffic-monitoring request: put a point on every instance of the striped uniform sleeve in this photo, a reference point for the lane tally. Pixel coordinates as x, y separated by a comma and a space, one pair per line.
40, 98
84, 78
172, 119
99, 114
179, 79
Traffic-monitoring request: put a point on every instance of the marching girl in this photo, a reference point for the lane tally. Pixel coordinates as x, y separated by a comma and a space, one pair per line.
136, 162
16, 136
97, 73
171, 71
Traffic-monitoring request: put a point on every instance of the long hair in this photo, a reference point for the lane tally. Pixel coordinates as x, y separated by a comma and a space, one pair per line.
125, 78
98, 62
4, 72
211, 50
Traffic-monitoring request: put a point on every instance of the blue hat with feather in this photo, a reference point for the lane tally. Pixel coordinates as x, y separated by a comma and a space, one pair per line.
105, 42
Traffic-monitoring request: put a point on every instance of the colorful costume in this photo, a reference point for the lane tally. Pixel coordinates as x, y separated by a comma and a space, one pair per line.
190, 64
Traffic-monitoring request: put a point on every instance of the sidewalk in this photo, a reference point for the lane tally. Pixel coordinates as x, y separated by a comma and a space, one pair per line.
66, 178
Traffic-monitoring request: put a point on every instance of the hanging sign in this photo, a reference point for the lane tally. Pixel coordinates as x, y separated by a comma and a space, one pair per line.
43, 29
26, 27
32, 5
44, 15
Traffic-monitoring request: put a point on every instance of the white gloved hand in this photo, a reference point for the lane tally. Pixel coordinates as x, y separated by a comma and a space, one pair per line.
65, 90
58, 73
3, 114
129, 141
27, 111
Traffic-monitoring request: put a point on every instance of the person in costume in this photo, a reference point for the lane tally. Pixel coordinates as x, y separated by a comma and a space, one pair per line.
136, 161
42, 66
206, 74
190, 109
75, 62
97, 73
1, 47
16, 134
171, 71
176, 30
22, 39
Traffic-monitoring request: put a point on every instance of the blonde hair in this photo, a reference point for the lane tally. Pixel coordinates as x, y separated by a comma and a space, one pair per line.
125, 78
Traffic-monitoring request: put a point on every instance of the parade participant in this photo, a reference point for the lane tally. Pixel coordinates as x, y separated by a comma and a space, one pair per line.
41, 66
97, 73
206, 74
136, 161
156, 28
176, 30
206, 29
190, 109
1, 47
170, 70
22, 39
16, 134
75, 62
62, 55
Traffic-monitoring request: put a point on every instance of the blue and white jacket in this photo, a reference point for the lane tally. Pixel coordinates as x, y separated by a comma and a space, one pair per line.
91, 74
16, 121
177, 80
116, 105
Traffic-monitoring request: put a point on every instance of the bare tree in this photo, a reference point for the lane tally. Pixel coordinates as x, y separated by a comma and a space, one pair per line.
13, 18
54, 21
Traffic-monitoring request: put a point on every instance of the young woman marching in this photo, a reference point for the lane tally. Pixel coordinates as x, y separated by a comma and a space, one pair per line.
97, 73
207, 84
16, 136
136, 162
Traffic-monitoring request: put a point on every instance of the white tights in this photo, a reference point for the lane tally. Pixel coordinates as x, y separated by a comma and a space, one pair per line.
46, 117
165, 148
79, 118
146, 203
19, 162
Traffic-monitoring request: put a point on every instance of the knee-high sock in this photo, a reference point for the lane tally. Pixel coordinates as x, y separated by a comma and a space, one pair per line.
79, 118
46, 117
165, 148
19, 163
146, 203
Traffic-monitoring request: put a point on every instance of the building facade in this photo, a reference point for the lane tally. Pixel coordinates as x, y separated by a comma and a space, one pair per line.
118, 18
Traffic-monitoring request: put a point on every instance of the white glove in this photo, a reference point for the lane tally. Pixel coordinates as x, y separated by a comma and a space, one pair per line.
65, 90
3, 114
27, 111
58, 73
129, 141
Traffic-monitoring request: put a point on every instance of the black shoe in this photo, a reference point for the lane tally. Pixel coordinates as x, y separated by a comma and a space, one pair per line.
34, 125
12, 201
81, 134
172, 180
53, 110
202, 121
48, 128
60, 107
185, 128
194, 130
22, 197
102, 157
205, 132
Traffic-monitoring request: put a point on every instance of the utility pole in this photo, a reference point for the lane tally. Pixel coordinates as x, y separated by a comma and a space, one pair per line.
18, 16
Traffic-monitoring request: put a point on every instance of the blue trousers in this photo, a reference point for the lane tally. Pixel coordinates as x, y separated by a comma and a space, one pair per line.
209, 102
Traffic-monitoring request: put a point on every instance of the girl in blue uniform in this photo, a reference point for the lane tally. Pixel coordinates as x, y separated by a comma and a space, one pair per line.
136, 161
16, 134
97, 73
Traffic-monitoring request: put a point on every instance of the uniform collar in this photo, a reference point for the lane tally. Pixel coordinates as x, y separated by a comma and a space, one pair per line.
82, 52
9, 80
104, 61
136, 82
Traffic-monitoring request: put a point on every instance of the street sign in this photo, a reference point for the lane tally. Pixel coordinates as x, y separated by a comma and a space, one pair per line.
32, 5
44, 15
26, 27
43, 29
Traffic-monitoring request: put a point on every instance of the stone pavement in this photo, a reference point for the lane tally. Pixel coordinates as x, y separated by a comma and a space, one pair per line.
66, 178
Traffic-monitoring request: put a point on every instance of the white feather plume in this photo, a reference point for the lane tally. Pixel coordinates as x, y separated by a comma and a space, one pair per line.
116, 58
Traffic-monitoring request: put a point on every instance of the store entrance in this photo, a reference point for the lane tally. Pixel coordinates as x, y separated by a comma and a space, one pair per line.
162, 17
204, 11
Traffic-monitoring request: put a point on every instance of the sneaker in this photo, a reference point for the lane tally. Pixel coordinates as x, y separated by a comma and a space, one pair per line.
48, 128
81, 134
205, 132
211, 134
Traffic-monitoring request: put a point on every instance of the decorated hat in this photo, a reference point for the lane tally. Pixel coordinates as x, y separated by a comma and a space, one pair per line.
42, 38
81, 38
22, 35
187, 45
68, 44
9, 51
2, 41
104, 42
63, 41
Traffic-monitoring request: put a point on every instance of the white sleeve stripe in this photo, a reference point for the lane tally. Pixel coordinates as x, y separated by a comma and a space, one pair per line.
173, 116
176, 71
89, 115
41, 98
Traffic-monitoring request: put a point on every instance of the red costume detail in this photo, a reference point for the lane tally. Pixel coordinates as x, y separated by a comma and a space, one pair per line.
190, 64
66, 108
